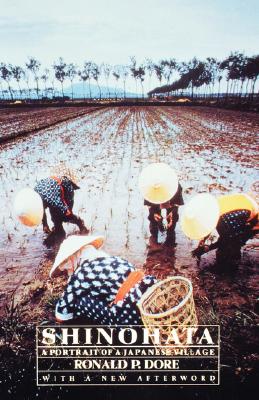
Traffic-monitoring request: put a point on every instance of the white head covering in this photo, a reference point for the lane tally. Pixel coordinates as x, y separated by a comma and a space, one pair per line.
200, 216
90, 253
28, 207
70, 250
158, 183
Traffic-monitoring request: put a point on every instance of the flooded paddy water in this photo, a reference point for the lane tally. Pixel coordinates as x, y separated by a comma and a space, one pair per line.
211, 150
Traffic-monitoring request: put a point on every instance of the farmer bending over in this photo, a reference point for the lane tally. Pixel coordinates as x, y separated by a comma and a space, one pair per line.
235, 218
101, 287
163, 195
57, 194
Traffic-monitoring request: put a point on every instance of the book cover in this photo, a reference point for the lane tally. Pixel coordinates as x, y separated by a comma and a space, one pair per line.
129, 199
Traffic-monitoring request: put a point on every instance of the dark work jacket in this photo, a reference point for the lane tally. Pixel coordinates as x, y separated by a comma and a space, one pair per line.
61, 200
171, 205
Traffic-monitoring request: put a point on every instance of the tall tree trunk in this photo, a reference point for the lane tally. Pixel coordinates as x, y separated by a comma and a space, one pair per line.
116, 89
124, 89
231, 88
142, 89
149, 82
227, 88
72, 90
100, 95
253, 88
19, 86
89, 87
84, 89
37, 87
10, 91
218, 90
241, 89
28, 90
246, 93
107, 86
2, 91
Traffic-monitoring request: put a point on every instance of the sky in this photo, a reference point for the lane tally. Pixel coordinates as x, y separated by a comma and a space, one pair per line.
113, 30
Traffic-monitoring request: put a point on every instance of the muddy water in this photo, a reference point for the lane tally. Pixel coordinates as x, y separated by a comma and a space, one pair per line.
210, 151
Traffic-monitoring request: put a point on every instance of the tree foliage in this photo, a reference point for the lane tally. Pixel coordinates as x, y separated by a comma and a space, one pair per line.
193, 77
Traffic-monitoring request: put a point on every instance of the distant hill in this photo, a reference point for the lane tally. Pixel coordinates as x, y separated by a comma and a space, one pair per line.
81, 91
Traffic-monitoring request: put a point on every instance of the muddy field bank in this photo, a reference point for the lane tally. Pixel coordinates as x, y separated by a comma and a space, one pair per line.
24, 120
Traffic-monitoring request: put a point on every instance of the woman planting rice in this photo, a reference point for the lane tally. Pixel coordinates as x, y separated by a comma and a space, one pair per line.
235, 218
57, 194
103, 288
109, 290
163, 195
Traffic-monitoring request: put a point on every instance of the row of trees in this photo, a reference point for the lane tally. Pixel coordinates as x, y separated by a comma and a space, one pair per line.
195, 77
205, 77
32, 82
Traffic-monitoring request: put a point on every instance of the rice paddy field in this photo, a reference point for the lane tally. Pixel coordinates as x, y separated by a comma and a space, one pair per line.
211, 150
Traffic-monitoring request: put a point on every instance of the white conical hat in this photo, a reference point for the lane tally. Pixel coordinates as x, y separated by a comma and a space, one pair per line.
200, 216
71, 247
158, 183
28, 207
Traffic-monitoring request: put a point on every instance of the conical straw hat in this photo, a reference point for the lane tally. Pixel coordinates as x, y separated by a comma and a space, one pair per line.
237, 201
71, 246
62, 170
28, 207
200, 216
158, 183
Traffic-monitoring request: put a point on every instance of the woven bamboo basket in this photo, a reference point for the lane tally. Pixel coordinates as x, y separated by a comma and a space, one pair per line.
169, 304
62, 170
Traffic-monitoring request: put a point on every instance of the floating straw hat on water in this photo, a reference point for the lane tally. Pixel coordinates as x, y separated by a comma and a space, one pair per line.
168, 304
62, 170
28, 207
158, 183
69, 250
200, 216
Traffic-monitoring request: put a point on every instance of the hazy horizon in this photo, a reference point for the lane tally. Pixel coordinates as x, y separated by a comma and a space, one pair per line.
112, 31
